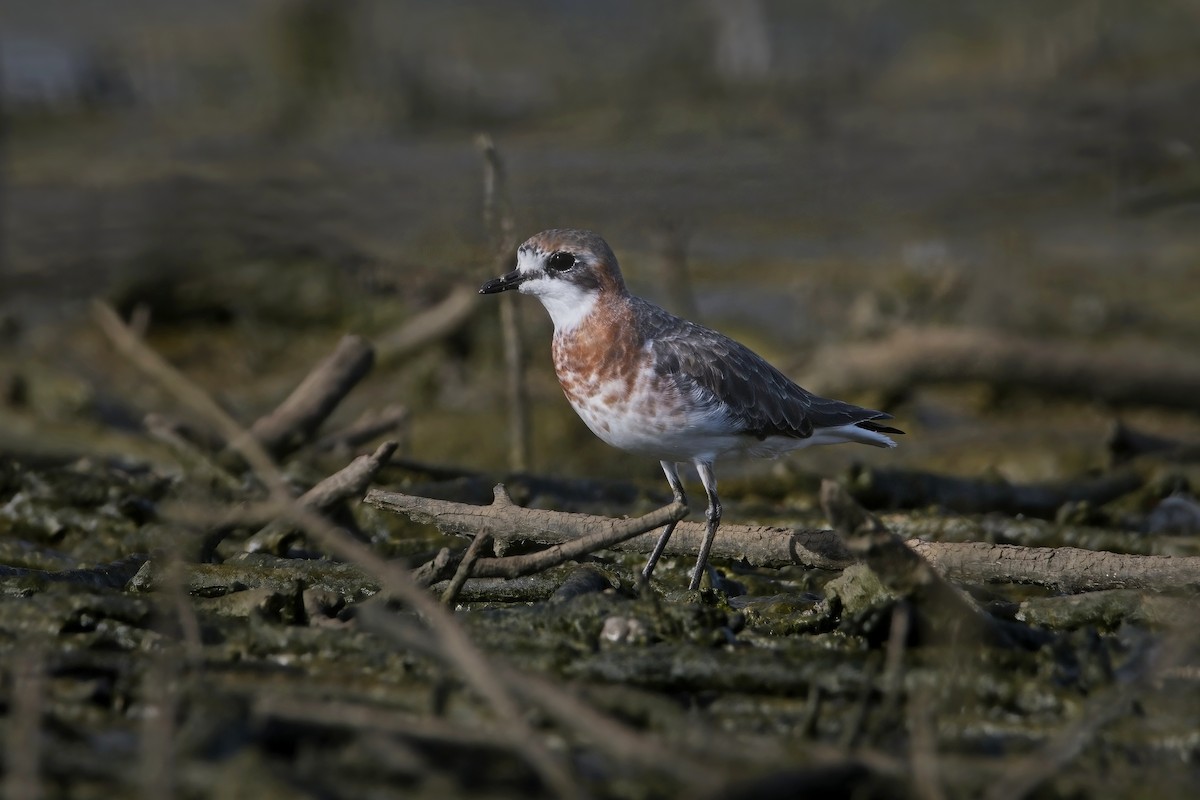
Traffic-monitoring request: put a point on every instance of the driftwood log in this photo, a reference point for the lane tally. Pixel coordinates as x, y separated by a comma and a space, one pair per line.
913, 357
1065, 569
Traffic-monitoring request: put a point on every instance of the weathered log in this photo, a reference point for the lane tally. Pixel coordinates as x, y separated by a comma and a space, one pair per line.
1063, 568
913, 357
507, 523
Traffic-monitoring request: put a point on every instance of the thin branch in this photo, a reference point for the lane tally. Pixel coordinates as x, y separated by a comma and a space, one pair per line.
364, 429
348, 482
297, 418
23, 752
429, 326
498, 219
464, 568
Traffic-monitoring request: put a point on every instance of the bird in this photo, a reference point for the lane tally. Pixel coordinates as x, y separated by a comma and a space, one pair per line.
650, 383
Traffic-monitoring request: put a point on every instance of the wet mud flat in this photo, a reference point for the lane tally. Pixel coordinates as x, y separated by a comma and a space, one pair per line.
990, 235
223, 628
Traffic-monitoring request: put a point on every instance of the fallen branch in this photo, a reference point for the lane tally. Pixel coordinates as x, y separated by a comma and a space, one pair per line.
582, 533
297, 418
1062, 568
913, 357
899, 488
942, 612
348, 482
429, 326
364, 429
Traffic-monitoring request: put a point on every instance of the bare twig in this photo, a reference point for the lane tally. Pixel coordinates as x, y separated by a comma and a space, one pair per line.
498, 219
913, 357
670, 243
428, 326
452, 640
464, 568
296, 419
922, 745
23, 753
759, 545
348, 482
159, 700
363, 429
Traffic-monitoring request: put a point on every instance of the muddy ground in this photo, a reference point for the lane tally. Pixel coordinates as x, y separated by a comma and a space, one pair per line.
1026, 175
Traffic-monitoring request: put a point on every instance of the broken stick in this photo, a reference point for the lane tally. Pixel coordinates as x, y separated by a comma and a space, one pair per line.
942, 612
297, 418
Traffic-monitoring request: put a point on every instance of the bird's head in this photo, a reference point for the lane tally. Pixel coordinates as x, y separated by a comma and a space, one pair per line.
568, 269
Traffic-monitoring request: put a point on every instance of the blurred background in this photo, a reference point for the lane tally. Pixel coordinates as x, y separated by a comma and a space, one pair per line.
253, 178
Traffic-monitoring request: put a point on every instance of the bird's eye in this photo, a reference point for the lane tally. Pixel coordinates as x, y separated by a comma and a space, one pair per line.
561, 261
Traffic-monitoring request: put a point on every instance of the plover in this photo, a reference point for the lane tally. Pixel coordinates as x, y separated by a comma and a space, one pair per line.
650, 383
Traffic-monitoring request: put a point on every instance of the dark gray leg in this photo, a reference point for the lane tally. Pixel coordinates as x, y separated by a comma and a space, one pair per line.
713, 515
677, 489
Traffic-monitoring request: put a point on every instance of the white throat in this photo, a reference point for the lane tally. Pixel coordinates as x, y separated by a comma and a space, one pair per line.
567, 303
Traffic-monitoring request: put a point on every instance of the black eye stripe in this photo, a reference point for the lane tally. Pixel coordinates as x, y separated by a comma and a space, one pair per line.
561, 261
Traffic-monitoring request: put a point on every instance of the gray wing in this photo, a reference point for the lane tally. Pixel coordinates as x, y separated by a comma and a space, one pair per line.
761, 400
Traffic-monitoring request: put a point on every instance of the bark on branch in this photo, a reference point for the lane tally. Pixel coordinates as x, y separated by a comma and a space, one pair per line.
1064, 569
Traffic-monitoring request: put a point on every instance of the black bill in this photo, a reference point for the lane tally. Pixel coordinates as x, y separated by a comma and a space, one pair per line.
505, 282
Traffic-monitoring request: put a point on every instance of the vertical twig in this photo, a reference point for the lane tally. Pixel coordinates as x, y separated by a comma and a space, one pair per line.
22, 774
464, 567
158, 727
670, 243
3, 180
922, 746
498, 220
